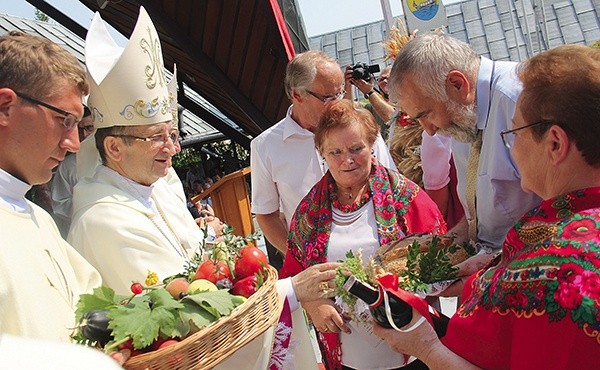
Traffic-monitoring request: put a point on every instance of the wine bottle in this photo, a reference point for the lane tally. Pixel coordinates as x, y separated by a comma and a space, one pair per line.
400, 311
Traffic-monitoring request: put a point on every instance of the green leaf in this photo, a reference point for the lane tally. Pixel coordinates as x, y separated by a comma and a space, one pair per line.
191, 313
352, 264
144, 318
217, 303
162, 299
102, 298
134, 320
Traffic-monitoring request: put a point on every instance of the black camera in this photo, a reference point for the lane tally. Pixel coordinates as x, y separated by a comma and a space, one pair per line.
364, 71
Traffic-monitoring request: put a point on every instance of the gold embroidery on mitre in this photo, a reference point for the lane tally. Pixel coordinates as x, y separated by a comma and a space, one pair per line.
154, 71
535, 232
146, 109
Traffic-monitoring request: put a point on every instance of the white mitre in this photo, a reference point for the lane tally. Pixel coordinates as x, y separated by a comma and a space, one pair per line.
172, 87
127, 86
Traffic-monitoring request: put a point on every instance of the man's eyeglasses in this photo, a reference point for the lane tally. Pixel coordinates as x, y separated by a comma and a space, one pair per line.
508, 136
328, 99
158, 140
70, 120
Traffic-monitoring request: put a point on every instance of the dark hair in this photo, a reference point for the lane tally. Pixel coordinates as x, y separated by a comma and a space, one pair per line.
103, 133
562, 85
344, 113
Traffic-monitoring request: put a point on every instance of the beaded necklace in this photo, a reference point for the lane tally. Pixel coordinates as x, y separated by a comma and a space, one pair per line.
347, 208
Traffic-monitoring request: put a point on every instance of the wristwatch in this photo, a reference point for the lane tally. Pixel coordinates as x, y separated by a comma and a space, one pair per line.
369, 93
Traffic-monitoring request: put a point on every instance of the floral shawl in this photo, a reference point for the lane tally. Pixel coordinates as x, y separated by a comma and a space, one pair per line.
538, 305
400, 208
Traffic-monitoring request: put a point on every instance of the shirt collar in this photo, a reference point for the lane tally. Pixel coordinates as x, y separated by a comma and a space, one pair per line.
12, 193
292, 128
140, 192
484, 90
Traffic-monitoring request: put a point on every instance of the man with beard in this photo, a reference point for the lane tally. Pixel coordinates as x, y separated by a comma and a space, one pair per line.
442, 84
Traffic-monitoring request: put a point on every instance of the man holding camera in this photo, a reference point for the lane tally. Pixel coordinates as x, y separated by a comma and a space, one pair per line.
360, 75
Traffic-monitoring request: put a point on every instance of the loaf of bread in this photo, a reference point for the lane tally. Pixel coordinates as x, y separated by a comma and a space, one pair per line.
393, 257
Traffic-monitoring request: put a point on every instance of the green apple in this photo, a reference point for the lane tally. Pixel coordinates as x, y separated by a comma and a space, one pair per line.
201, 285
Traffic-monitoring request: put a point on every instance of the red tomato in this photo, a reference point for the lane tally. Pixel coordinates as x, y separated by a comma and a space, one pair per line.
245, 286
251, 261
168, 342
213, 272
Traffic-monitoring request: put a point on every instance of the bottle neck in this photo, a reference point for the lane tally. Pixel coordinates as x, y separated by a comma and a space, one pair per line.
371, 296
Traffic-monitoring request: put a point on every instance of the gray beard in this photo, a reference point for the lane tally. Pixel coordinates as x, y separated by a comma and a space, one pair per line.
463, 127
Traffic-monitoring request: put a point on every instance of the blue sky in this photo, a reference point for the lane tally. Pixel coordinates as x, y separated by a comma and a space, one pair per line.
320, 16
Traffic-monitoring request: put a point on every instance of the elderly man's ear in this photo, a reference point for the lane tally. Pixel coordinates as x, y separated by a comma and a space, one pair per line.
113, 148
459, 89
7, 102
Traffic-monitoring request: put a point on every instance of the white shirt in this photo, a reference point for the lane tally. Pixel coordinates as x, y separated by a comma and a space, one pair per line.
26, 353
12, 193
41, 275
118, 228
285, 166
353, 231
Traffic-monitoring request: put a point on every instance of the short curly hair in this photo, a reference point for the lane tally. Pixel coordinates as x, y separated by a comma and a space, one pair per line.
562, 85
344, 113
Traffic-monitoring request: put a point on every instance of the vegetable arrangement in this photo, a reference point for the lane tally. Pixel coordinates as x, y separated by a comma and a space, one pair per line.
157, 314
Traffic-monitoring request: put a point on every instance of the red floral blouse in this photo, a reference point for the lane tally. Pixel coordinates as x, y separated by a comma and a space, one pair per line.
538, 305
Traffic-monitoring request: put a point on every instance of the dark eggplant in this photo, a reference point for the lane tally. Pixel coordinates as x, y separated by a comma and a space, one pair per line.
94, 327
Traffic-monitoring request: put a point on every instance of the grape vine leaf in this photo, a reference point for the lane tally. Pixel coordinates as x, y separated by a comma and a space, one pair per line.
101, 298
191, 313
144, 318
217, 303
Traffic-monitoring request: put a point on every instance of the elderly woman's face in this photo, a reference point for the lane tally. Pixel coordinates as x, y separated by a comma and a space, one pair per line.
348, 155
529, 156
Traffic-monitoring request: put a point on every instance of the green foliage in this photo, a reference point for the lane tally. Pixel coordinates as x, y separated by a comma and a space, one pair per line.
103, 298
596, 45
353, 265
428, 267
41, 16
144, 318
189, 156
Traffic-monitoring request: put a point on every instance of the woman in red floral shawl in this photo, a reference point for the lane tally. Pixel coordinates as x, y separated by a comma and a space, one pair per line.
537, 306
358, 204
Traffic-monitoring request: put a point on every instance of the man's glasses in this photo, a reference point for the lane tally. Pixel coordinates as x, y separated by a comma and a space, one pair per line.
508, 136
70, 120
158, 140
328, 99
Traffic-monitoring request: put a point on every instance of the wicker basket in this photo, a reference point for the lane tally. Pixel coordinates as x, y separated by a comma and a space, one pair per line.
215, 342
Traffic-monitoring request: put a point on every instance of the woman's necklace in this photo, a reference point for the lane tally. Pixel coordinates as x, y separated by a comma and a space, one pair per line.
352, 207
